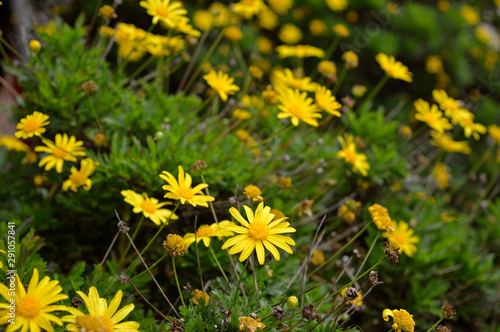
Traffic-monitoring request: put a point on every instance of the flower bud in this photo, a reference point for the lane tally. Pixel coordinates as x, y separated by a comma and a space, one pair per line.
35, 46
292, 302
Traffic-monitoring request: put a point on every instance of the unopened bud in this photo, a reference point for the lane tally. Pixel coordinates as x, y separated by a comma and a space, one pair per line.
292, 302
35, 46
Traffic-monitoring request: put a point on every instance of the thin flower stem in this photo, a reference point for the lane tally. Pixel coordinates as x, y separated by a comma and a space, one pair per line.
12, 49
155, 236
193, 59
368, 254
472, 170
103, 260
433, 326
141, 68
340, 250
95, 115
151, 267
146, 300
236, 291
133, 238
221, 136
240, 58
177, 281
341, 78
218, 264
374, 92
94, 17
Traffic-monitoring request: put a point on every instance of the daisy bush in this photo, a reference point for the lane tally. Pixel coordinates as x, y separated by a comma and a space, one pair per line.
271, 165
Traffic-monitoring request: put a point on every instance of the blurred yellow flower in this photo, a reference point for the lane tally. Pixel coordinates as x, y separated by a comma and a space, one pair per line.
441, 175
290, 34
233, 33
393, 68
64, 148
268, 19
494, 132
402, 235
299, 51
432, 116
264, 45
280, 6
403, 321
248, 8
325, 100
350, 155
205, 232
381, 218
287, 79
341, 30
197, 295
317, 27
149, 206
327, 68
32, 125
80, 178
317, 257
222, 83
203, 19
358, 90
257, 233
12, 143
298, 107
165, 11
433, 64
337, 5
446, 143
182, 190
470, 15
351, 59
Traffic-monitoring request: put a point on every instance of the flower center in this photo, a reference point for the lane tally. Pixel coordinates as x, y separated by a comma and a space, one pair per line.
89, 323
430, 119
78, 178
296, 110
162, 11
108, 324
185, 193
350, 156
31, 125
148, 206
296, 83
59, 153
400, 238
258, 231
204, 231
29, 306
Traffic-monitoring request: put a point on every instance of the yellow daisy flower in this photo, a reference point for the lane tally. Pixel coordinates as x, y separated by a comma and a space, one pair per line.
357, 301
287, 79
222, 83
393, 68
441, 175
450, 106
98, 307
402, 235
12, 143
470, 127
350, 155
253, 193
381, 218
149, 207
494, 132
298, 106
165, 11
325, 100
257, 233
34, 305
182, 190
299, 51
32, 125
431, 115
248, 8
337, 5
64, 148
290, 34
205, 232
80, 177
403, 321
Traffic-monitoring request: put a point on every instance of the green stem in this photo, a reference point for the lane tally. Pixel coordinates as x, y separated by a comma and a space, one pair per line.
133, 238
341, 78
240, 58
95, 115
151, 267
433, 326
218, 264
368, 254
177, 281
340, 250
155, 236
374, 92
141, 68
13, 50
237, 290
473, 169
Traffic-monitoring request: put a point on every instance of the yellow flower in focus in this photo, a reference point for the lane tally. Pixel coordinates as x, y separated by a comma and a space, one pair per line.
337, 5
403, 321
64, 148
233, 33
33, 305
198, 294
494, 132
299, 51
98, 307
222, 83
298, 107
325, 100
402, 235
441, 175
431, 116
351, 59
280, 6
290, 34
317, 27
257, 233
264, 45
381, 218
174, 245
253, 193
350, 155
149, 207
393, 68
357, 301
80, 178
248, 8
470, 15
433, 64
182, 190
249, 324
165, 11
317, 257
205, 232
287, 79
32, 125
446, 143
341, 30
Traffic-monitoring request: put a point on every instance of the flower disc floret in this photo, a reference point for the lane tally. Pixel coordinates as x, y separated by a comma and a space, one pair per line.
222, 83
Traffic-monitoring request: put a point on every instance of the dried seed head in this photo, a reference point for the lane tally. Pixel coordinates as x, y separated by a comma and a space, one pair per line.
199, 167
309, 313
448, 311
89, 88
391, 251
76, 302
278, 313
441, 328
176, 326
174, 245
373, 277
124, 278
351, 294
